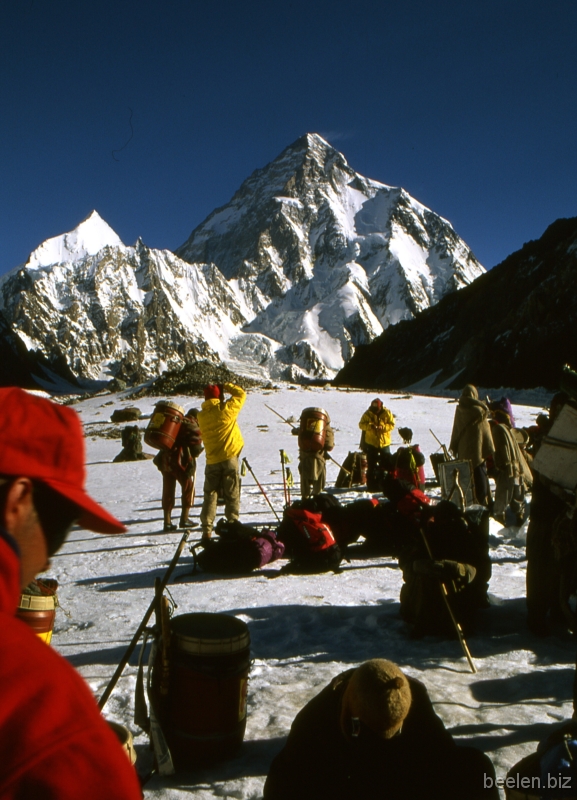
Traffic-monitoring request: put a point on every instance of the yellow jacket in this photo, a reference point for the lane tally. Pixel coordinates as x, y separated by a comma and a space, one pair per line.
220, 432
380, 438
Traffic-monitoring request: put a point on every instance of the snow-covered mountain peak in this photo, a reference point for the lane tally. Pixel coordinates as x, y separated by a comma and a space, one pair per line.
326, 258
307, 261
87, 239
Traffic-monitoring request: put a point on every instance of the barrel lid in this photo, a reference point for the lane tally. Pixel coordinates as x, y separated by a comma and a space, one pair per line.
315, 410
170, 404
36, 602
206, 634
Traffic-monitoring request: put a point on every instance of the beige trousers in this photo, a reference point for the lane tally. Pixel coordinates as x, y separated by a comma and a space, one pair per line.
223, 475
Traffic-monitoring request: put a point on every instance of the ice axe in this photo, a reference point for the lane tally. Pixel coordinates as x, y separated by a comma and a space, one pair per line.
293, 427
161, 587
456, 624
265, 495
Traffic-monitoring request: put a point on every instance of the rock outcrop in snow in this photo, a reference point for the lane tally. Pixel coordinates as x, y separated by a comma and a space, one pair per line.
308, 261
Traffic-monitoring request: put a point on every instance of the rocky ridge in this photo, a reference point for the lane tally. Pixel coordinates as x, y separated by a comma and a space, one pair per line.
513, 327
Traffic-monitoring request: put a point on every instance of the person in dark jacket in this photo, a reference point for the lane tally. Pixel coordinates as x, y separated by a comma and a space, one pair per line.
543, 573
373, 733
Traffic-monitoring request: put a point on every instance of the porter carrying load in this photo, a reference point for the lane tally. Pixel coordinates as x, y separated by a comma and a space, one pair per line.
312, 430
164, 425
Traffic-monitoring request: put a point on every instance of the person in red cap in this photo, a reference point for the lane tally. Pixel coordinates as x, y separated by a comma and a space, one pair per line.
53, 741
222, 443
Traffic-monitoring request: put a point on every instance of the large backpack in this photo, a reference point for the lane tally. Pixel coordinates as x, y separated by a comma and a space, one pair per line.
189, 436
239, 549
309, 541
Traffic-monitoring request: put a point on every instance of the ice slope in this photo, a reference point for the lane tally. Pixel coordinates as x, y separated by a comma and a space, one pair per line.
87, 239
304, 630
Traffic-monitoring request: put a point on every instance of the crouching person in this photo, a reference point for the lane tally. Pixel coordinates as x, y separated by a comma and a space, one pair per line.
372, 733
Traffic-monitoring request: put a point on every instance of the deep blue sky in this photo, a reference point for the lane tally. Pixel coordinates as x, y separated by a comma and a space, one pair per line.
471, 106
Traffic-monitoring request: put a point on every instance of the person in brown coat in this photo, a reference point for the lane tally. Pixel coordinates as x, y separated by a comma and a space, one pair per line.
512, 474
471, 439
373, 733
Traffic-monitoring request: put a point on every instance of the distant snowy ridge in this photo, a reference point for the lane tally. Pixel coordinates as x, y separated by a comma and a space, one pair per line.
307, 261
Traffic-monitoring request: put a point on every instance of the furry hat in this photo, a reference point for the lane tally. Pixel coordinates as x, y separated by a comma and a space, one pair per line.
379, 695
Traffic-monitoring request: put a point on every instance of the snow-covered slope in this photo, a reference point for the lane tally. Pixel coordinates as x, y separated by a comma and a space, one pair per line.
513, 327
111, 310
324, 258
304, 629
86, 240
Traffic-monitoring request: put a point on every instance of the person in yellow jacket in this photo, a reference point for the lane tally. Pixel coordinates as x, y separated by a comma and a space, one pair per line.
222, 443
376, 423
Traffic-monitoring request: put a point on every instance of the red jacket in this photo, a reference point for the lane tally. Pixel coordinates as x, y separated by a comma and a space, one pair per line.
54, 744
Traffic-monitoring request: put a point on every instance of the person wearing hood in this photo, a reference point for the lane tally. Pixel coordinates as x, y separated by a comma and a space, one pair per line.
372, 733
512, 474
471, 439
222, 443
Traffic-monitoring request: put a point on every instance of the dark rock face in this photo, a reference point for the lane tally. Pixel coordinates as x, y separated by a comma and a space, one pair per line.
515, 326
193, 378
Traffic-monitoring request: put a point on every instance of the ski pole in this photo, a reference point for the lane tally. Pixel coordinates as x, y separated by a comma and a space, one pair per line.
144, 623
456, 625
284, 486
248, 466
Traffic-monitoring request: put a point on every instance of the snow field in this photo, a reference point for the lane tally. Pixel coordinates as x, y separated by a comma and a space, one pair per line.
304, 629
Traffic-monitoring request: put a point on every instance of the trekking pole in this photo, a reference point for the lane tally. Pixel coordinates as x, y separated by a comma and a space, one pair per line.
445, 451
456, 625
344, 469
248, 466
280, 415
283, 456
144, 623
289, 483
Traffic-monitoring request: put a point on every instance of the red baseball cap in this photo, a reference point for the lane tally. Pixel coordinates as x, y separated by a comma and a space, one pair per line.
43, 440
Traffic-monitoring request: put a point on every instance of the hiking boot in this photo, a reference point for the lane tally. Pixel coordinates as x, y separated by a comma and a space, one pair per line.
169, 527
188, 523
205, 541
